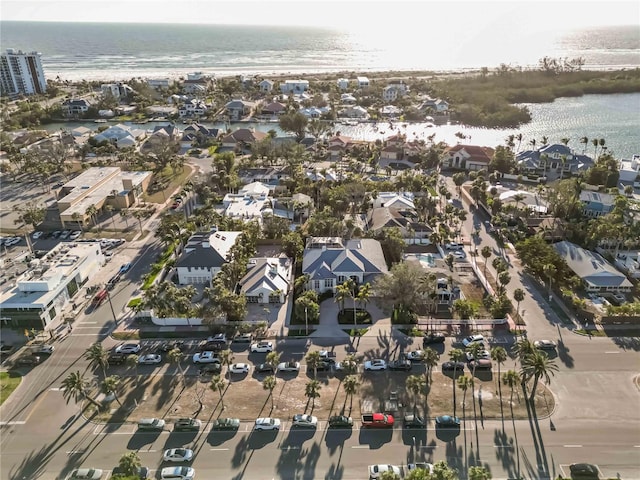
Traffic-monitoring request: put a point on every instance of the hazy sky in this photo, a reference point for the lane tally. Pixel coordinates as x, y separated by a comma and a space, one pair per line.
358, 15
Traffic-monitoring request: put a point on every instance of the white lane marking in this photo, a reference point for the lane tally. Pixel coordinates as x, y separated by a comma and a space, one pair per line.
56, 389
75, 452
293, 447
147, 451
572, 446
218, 449
16, 422
86, 323
636, 446
360, 446
612, 352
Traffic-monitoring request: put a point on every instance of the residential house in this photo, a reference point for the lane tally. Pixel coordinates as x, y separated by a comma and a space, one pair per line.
434, 105
363, 82
595, 203
395, 200
294, 86
343, 83
273, 109
330, 261
192, 108
522, 199
596, 273
630, 173
204, 255
195, 134
405, 220
269, 176
348, 99
238, 109
355, 111
555, 157
389, 94
75, 107
401, 87
268, 280
116, 90
250, 203
197, 83
121, 135
159, 83
468, 157
391, 152
161, 135
390, 111
266, 86
243, 138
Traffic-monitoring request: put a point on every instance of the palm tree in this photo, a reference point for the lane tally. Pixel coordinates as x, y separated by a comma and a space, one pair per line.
226, 358
175, 357
110, 386
269, 383
313, 360
76, 217
98, 356
350, 364
110, 209
518, 296
595, 148
478, 473
342, 293
511, 379
585, 142
351, 386
132, 362
124, 214
416, 385
486, 253
538, 365
217, 385
273, 358
455, 355
463, 384
130, 463
364, 294
523, 347
499, 355
549, 270
92, 211
601, 142
76, 387
389, 475
312, 391
430, 359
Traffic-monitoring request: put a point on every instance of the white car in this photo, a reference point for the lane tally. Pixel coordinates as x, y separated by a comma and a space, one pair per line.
262, 347
459, 254
75, 234
421, 466
65, 234
178, 455
36, 235
483, 354
415, 356
267, 423
545, 344
206, 357
453, 246
43, 349
376, 470
128, 348
289, 367
86, 474
472, 339
377, 364
149, 359
307, 421
177, 473
239, 368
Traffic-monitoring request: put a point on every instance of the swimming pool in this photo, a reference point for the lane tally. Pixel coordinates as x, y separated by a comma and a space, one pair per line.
426, 259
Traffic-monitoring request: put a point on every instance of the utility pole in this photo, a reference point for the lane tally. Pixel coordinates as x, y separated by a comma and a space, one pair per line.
115, 320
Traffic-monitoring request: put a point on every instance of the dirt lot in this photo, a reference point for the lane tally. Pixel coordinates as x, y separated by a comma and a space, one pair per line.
244, 397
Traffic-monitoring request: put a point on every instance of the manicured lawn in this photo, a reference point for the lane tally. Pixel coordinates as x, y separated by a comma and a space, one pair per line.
9, 381
174, 183
345, 317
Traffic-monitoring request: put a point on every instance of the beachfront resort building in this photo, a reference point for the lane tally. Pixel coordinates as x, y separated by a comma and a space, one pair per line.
39, 298
21, 73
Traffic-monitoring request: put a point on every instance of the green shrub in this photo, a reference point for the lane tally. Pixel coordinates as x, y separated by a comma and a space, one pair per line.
345, 317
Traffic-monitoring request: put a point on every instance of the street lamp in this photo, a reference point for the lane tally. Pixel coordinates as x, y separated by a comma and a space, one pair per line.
115, 320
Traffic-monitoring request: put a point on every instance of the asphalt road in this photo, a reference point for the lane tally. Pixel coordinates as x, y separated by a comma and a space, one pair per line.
597, 417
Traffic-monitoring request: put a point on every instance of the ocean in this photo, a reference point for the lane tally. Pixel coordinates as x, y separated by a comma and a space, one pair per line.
110, 51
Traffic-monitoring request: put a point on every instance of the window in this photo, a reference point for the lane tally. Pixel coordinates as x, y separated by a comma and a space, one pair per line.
341, 278
316, 284
328, 283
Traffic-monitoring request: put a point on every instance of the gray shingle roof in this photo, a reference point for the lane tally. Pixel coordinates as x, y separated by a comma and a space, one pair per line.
361, 255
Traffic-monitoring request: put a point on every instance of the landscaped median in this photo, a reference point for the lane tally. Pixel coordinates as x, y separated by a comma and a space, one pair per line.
244, 397
9, 381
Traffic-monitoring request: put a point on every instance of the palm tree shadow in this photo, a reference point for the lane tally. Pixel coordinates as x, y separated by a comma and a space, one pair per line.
541, 456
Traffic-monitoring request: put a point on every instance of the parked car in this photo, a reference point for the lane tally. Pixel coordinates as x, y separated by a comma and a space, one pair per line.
377, 364
447, 421
400, 365
413, 421
482, 354
128, 348
545, 344
142, 473
289, 367
323, 367
262, 347
243, 338
340, 421
217, 338
451, 366
65, 234
177, 473
267, 423
75, 235
168, 346
86, 474
239, 368
472, 339
43, 349
37, 235
432, 338
206, 357
421, 466
187, 425
584, 470
125, 268
151, 424
6, 350
265, 368
415, 356
375, 471
116, 358
481, 364
210, 368
56, 234
226, 424
178, 455
453, 246
27, 361
305, 421
150, 359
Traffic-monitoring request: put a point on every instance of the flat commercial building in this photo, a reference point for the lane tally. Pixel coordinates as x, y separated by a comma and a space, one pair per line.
21, 73
38, 298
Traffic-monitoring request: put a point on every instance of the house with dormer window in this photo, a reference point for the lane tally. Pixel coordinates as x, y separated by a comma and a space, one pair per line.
204, 255
268, 280
331, 261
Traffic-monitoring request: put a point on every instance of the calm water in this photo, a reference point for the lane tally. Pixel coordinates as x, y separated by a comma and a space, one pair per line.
616, 118
108, 51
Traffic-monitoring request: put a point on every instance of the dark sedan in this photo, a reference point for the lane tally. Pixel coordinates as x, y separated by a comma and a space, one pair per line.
432, 338
451, 366
265, 368
413, 421
226, 424
584, 470
400, 365
446, 421
340, 421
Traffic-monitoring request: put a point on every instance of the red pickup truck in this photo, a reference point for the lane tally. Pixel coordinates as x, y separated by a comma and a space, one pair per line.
377, 420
